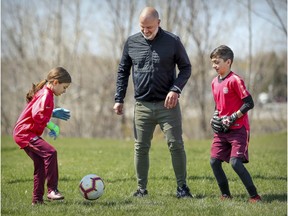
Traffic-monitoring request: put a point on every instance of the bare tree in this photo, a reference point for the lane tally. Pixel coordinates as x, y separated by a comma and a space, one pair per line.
39, 35
200, 19
33, 40
249, 71
280, 18
123, 15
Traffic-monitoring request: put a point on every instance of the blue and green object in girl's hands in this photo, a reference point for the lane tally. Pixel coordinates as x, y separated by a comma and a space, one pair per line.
54, 130
61, 113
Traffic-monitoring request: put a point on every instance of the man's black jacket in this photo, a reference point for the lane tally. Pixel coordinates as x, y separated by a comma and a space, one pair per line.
153, 65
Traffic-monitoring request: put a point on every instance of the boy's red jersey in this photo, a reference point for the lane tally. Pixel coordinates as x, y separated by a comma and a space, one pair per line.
34, 117
228, 95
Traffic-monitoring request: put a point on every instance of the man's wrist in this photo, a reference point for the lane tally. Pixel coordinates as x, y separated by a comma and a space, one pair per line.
117, 101
176, 89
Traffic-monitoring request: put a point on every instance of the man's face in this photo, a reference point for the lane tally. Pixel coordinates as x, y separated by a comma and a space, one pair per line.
149, 27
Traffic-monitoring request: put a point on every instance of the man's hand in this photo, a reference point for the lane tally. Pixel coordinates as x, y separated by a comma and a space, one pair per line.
171, 100
118, 108
216, 122
61, 113
227, 121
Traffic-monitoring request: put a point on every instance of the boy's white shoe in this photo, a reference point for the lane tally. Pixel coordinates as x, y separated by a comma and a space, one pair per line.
55, 195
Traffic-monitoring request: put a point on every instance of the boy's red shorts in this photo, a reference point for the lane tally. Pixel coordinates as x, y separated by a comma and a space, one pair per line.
231, 144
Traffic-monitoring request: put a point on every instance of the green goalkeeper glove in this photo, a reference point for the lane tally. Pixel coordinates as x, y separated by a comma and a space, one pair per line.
54, 130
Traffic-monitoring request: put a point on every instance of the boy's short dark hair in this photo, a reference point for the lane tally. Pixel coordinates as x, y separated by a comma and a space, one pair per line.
223, 52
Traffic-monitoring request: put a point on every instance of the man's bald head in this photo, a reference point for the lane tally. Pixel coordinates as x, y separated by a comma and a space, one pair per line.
149, 13
149, 22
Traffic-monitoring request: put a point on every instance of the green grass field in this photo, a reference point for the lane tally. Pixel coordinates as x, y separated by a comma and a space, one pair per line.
113, 161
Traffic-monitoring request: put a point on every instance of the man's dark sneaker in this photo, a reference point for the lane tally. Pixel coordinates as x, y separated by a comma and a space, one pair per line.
183, 192
140, 193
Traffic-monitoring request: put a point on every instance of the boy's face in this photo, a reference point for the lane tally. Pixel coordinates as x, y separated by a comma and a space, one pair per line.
222, 67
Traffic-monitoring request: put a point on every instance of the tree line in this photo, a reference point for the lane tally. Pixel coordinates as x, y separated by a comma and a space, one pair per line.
87, 38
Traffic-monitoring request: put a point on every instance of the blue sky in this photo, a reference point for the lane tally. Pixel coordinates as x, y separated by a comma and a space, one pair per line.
231, 14
265, 35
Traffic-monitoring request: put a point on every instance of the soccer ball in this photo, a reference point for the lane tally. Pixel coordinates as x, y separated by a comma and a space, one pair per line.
91, 187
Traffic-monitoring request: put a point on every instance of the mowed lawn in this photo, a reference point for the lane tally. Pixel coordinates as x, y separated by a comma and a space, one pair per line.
113, 161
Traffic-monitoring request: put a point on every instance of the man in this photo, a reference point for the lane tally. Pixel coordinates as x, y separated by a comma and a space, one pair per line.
153, 55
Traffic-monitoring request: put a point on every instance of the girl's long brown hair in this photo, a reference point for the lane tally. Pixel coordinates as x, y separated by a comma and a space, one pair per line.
58, 73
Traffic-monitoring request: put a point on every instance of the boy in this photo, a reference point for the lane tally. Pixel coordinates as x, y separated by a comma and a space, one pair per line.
230, 123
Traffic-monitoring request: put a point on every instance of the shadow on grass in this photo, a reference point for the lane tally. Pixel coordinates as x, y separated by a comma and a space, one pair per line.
165, 178
210, 178
236, 178
274, 197
281, 178
22, 180
115, 180
266, 198
195, 196
103, 203
9, 149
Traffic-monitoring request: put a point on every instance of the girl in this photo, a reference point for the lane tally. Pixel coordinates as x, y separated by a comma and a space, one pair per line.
30, 126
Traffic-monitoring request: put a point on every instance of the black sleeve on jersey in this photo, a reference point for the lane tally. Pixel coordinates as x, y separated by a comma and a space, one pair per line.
248, 104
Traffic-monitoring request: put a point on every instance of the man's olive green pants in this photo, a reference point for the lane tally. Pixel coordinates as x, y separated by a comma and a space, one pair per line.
147, 115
